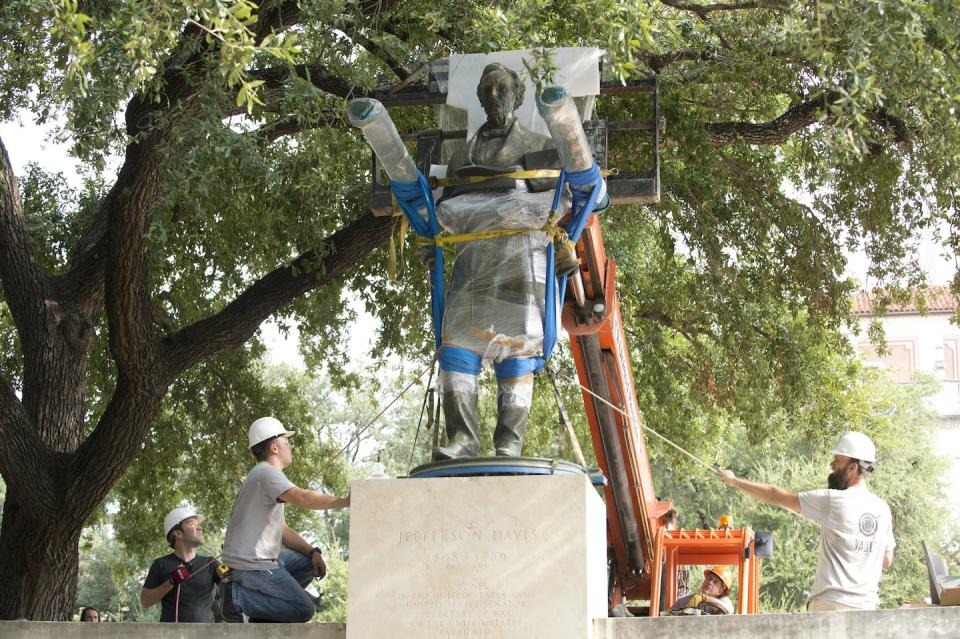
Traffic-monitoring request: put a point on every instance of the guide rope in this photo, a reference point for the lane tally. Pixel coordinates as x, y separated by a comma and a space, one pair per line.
423, 408
683, 450
565, 418
714, 470
176, 603
356, 435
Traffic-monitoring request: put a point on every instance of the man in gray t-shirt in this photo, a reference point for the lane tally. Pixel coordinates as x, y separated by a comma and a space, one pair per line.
271, 564
856, 527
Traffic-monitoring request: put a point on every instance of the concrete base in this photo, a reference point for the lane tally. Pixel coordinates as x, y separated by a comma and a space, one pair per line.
922, 623
76, 630
925, 623
476, 558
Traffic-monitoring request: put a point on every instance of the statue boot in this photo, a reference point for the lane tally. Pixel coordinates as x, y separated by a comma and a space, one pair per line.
463, 430
513, 409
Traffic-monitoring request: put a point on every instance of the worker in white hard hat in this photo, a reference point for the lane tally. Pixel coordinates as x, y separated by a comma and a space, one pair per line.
856, 527
183, 580
270, 563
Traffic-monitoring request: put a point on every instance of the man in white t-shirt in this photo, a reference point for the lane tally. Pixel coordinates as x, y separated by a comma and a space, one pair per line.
270, 563
856, 527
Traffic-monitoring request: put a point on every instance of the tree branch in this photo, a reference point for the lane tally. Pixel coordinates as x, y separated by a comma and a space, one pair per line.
883, 119
399, 69
24, 283
23, 457
659, 61
132, 342
776, 131
659, 317
237, 322
796, 118
279, 15
702, 10
274, 17
115, 441
292, 124
275, 78
84, 282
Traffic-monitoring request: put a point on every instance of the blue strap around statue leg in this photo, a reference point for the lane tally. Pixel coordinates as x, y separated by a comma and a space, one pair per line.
518, 367
459, 360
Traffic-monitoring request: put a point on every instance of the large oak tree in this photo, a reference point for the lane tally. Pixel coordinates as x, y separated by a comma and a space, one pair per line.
240, 195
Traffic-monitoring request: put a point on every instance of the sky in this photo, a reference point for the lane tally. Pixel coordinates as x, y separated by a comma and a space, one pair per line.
26, 142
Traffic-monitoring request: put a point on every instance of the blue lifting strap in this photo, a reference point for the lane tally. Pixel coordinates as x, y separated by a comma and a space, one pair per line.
459, 360
518, 367
584, 205
416, 196
412, 198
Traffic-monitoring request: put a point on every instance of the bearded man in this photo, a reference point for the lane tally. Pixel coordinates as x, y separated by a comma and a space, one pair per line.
182, 581
856, 527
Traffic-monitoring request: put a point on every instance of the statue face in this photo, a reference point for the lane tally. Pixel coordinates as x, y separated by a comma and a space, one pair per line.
497, 96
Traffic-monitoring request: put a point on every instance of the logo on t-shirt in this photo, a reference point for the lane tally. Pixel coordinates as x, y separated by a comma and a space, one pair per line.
868, 524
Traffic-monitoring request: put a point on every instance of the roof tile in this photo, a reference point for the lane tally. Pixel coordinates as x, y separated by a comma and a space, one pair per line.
939, 299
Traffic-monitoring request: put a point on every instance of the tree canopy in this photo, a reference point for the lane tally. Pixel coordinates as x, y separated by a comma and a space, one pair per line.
796, 131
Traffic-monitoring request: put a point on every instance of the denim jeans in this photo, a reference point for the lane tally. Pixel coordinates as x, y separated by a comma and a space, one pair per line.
276, 595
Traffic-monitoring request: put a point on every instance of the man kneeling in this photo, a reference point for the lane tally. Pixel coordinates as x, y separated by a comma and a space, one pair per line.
271, 564
713, 598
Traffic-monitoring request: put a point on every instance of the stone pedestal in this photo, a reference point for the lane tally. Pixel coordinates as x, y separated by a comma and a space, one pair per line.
477, 558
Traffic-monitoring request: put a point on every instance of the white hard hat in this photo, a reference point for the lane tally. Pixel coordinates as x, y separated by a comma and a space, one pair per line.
177, 515
265, 428
857, 446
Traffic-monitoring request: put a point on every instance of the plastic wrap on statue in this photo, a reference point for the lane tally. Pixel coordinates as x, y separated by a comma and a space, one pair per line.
372, 119
495, 301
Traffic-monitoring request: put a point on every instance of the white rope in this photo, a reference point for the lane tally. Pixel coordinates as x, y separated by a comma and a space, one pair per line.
356, 435
714, 470
624, 413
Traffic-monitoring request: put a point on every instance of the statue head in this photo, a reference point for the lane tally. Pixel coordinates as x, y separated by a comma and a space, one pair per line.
500, 92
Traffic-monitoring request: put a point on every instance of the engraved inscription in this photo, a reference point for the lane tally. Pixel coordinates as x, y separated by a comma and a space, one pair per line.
468, 534
469, 609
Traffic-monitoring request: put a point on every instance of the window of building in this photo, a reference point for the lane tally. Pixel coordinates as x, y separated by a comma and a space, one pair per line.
900, 359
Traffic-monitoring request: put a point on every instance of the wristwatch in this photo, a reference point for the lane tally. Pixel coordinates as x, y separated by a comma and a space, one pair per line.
315, 550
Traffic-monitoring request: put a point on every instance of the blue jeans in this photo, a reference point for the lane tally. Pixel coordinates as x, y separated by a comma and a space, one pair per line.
276, 595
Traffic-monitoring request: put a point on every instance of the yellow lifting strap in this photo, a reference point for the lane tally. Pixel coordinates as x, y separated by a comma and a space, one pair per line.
556, 234
475, 179
513, 175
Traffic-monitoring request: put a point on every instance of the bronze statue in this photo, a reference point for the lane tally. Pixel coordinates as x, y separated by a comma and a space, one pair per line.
495, 304
496, 299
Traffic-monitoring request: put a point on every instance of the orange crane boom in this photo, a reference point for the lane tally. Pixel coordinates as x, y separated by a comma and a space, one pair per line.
591, 317
645, 553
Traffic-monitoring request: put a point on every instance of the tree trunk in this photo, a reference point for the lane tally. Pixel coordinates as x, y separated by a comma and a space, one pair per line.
39, 552
55, 475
